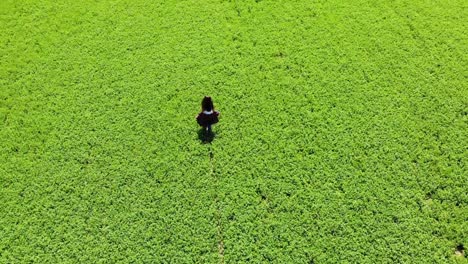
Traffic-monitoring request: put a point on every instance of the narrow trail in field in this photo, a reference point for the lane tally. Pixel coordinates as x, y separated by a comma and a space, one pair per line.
218, 209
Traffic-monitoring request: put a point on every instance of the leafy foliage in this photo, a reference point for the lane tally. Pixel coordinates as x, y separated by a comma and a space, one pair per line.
342, 135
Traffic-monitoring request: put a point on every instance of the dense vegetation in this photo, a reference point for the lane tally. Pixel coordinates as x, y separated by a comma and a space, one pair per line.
343, 132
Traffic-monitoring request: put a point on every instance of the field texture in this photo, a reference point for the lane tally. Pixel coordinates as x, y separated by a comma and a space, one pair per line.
342, 138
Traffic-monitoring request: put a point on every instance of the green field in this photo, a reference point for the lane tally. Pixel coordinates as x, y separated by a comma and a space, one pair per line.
342, 136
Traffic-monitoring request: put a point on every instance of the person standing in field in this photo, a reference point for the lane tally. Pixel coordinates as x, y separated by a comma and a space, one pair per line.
208, 116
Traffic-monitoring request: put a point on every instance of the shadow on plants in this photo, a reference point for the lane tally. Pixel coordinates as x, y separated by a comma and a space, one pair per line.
460, 250
205, 136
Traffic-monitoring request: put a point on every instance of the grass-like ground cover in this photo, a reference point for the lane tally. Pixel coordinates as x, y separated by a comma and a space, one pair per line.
343, 132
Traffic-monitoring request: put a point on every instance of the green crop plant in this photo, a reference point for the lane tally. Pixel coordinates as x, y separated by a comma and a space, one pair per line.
342, 136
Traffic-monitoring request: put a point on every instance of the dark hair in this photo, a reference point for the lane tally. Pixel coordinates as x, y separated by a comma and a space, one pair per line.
207, 104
